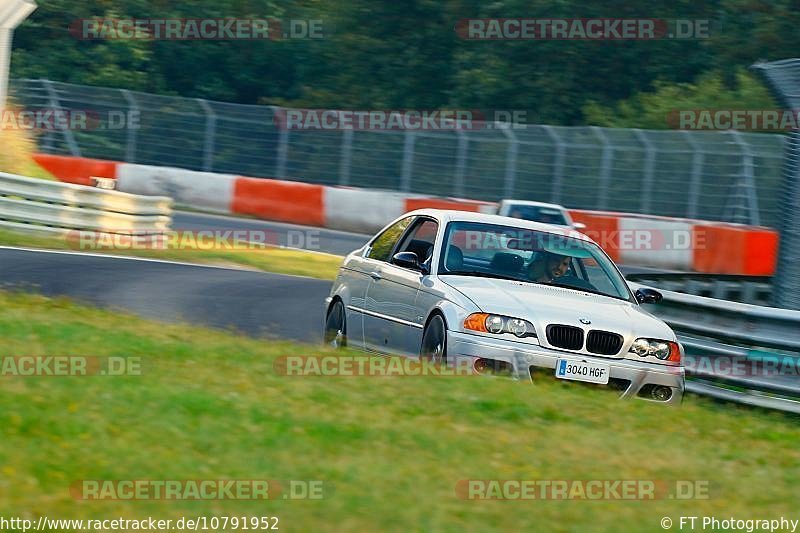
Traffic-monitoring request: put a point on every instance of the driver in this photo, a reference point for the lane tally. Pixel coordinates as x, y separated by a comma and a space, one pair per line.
548, 266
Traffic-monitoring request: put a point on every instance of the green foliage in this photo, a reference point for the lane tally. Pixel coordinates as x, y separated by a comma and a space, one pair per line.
407, 55
655, 109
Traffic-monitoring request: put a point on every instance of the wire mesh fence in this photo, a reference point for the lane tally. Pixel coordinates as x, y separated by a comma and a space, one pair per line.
783, 78
728, 176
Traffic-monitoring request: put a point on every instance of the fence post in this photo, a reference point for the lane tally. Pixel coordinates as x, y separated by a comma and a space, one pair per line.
55, 103
344, 162
605, 168
511, 158
748, 179
408, 161
130, 143
461, 164
647, 179
211, 129
697, 174
283, 150
558, 163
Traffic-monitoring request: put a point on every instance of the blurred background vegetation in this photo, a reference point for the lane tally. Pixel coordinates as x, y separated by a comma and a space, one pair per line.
406, 54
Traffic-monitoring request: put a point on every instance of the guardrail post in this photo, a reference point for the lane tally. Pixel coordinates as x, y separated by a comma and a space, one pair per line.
408, 161
558, 163
56, 105
283, 150
461, 164
698, 157
130, 143
210, 135
605, 168
649, 163
344, 162
511, 158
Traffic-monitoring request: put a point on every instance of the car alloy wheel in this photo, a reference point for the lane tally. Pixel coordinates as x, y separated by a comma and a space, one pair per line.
335, 326
434, 341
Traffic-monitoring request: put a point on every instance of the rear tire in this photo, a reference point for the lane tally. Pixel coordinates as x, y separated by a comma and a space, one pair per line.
434, 341
335, 327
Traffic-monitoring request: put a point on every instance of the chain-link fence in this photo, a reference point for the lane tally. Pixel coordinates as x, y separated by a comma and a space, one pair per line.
783, 78
728, 176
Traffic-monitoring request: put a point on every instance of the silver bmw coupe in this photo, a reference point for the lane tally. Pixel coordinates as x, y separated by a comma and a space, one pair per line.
506, 296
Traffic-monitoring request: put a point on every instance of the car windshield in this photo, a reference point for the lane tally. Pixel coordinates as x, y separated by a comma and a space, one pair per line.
505, 252
538, 213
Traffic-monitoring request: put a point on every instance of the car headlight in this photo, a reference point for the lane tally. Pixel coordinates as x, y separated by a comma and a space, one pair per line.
489, 323
663, 350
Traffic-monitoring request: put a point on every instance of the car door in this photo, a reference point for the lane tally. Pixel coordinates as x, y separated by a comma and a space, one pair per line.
393, 324
376, 258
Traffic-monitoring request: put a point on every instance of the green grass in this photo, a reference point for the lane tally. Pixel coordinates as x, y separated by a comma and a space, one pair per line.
390, 451
268, 259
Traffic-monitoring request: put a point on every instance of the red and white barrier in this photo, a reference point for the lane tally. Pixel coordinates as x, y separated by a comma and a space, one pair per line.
630, 239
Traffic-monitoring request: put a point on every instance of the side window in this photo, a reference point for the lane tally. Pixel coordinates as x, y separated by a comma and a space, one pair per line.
420, 239
383, 245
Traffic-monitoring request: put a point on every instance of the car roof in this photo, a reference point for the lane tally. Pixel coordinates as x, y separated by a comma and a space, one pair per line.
533, 203
451, 215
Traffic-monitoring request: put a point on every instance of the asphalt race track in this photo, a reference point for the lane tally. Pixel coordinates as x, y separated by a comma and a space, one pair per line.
293, 236
256, 303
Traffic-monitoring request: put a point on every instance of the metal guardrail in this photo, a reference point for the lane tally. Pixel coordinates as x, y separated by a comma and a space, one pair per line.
737, 352
755, 290
51, 207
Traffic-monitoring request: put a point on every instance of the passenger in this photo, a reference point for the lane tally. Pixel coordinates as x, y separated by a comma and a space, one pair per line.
547, 267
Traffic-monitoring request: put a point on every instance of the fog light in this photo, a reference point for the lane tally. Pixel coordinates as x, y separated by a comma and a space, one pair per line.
661, 393
480, 365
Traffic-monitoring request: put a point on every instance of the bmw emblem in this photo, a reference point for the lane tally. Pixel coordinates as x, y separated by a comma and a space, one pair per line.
585, 321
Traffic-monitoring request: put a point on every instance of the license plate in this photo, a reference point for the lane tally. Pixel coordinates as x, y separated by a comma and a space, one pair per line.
582, 371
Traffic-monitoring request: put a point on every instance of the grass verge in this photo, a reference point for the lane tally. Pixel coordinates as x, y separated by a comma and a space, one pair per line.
269, 259
389, 451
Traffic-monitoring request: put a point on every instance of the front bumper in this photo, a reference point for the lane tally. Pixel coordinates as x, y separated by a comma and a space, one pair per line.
635, 377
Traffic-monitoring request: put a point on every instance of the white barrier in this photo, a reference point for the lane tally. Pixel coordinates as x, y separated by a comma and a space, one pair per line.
202, 190
51, 207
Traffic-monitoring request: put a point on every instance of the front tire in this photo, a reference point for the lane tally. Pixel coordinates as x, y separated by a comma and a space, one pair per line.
335, 327
434, 341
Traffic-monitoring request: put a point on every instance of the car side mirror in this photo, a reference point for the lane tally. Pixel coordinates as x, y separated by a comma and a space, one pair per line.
408, 260
578, 226
648, 296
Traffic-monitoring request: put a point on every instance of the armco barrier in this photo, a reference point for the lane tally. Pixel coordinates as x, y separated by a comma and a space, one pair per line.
724, 342
630, 239
52, 207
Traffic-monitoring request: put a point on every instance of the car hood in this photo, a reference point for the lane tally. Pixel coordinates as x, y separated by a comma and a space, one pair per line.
543, 305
